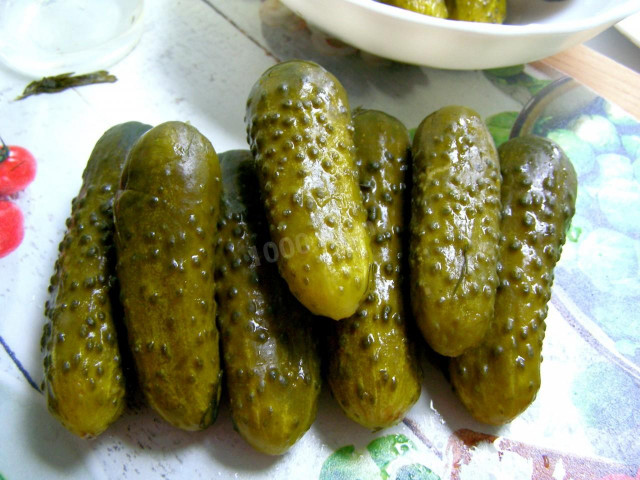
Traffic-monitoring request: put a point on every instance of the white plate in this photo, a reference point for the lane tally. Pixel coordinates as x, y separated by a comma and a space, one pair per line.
534, 29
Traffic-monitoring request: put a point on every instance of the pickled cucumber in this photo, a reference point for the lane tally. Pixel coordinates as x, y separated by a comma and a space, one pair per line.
372, 367
83, 376
497, 380
487, 11
434, 8
166, 213
299, 129
270, 355
454, 229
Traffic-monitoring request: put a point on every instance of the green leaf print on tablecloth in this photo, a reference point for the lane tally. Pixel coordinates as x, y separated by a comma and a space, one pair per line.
598, 131
600, 265
500, 126
510, 78
603, 244
384, 458
580, 152
347, 464
415, 471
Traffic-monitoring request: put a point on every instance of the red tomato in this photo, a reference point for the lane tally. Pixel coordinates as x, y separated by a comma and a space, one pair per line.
11, 227
17, 169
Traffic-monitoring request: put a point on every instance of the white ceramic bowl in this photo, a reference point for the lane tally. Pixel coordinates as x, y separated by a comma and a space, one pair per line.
42, 38
534, 29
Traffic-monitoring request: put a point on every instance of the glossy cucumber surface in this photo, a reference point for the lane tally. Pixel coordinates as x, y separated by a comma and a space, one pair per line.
499, 379
299, 130
83, 376
269, 347
166, 213
454, 226
372, 366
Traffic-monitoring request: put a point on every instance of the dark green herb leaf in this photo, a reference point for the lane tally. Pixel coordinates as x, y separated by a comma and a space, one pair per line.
514, 81
64, 81
506, 72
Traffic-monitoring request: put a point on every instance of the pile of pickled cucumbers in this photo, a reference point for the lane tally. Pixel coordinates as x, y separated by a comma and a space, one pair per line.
486, 11
332, 250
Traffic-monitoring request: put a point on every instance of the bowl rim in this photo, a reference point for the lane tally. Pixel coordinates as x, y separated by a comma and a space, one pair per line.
612, 15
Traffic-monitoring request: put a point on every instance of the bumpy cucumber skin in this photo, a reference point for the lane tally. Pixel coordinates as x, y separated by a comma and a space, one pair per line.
486, 11
433, 8
372, 367
166, 213
498, 380
270, 355
300, 133
83, 377
454, 229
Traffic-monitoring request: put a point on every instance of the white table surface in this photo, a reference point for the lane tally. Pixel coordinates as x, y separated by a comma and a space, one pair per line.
617, 47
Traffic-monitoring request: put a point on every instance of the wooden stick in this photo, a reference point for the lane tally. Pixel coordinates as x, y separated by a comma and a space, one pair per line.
606, 77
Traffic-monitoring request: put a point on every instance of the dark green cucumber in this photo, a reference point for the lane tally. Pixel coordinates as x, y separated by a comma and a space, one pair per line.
455, 221
434, 8
486, 11
83, 376
300, 133
372, 367
166, 214
271, 360
498, 380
